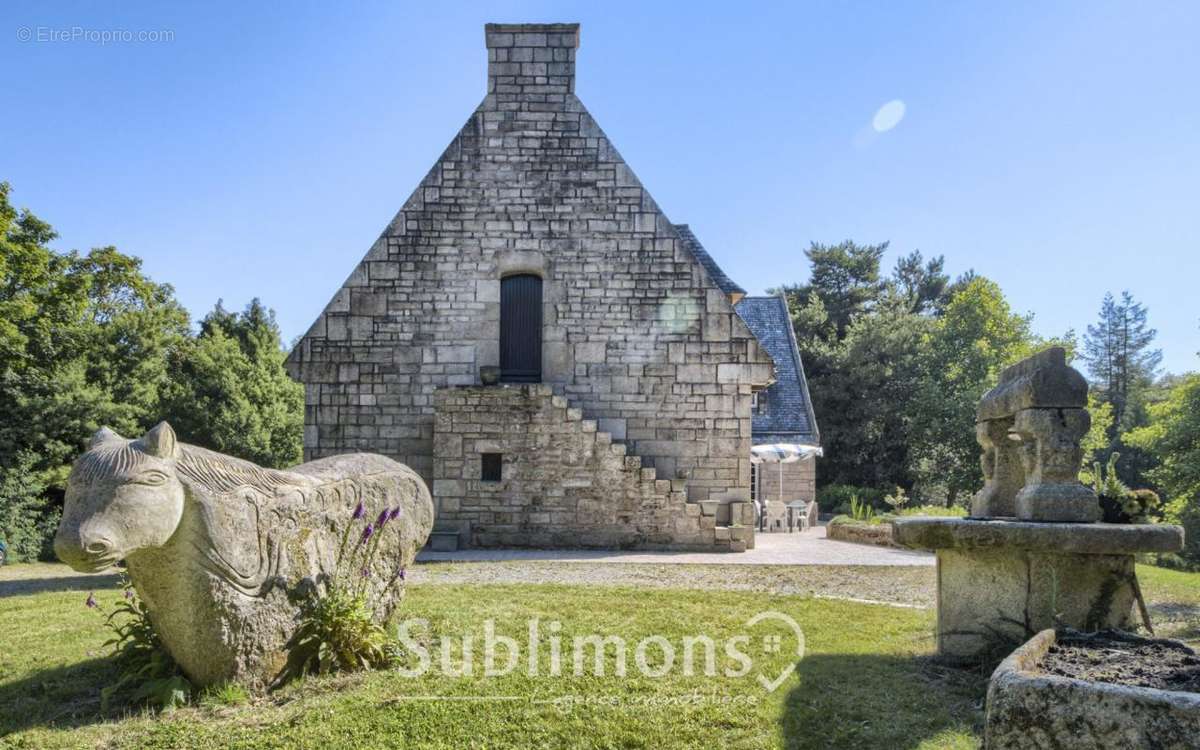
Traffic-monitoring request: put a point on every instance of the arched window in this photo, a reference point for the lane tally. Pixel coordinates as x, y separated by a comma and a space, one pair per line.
521, 328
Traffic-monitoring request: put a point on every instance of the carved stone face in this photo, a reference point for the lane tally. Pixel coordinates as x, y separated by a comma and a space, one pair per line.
122, 496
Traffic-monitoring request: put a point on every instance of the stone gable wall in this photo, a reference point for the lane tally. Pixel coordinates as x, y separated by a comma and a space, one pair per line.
635, 333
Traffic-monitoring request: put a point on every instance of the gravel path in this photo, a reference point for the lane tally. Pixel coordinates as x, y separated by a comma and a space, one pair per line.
810, 547
902, 585
907, 585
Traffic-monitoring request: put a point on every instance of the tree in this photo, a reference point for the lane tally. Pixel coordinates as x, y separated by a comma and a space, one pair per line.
861, 390
26, 522
1172, 437
84, 342
1095, 442
845, 278
1119, 358
860, 335
231, 393
965, 349
923, 285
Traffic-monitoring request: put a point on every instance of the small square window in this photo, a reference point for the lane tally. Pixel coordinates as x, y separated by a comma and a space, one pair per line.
758, 402
491, 466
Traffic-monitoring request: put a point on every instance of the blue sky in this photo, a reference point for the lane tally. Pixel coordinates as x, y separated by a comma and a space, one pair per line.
1052, 147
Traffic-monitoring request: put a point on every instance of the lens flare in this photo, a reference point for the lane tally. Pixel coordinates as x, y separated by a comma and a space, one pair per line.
888, 116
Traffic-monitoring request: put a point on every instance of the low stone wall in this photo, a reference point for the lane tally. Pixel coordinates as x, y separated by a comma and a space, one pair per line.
560, 481
1030, 710
879, 534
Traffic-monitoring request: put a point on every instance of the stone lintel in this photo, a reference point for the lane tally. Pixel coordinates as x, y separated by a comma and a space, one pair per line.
1043, 381
1064, 538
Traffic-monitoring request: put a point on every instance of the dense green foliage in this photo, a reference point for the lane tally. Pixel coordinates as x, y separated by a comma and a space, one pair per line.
26, 524
87, 340
1172, 436
896, 365
230, 392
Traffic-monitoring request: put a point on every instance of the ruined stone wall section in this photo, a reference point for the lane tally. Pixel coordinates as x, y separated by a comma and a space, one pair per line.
564, 483
635, 333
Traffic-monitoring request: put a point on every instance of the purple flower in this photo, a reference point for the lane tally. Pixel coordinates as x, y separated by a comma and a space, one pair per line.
359, 511
395, 513
384, 515
402, 574
91, 601
129, 594
366, 534
365, 573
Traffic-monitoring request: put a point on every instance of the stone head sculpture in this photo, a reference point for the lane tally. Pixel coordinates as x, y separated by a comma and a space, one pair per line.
122, 496
1029, 427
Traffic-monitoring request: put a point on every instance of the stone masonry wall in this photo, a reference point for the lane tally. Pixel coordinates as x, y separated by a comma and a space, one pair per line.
635, 332
564, 483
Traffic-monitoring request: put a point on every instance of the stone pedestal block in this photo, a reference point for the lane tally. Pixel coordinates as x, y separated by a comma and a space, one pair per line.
999, 582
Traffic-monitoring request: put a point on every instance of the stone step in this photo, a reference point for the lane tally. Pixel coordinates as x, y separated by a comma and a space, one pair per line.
443, 541
618, 449
573, 414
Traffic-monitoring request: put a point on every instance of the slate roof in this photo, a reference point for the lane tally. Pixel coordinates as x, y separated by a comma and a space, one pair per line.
789, 414
727, 285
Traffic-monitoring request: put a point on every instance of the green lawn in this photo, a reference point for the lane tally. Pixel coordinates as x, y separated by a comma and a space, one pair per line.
865, 680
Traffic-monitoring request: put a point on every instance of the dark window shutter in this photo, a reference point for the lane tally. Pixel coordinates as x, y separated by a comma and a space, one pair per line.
521, 329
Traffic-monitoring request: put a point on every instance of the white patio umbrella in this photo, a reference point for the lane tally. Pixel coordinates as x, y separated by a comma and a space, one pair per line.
783, 453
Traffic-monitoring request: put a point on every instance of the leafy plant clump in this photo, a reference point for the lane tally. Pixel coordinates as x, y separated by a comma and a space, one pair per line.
339, 629
144, 668
1119, 503
952, 511
861, 511
836, 497
896, 500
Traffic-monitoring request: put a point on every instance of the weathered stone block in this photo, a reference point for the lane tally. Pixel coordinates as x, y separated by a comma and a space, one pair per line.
1028, 709
1001, 581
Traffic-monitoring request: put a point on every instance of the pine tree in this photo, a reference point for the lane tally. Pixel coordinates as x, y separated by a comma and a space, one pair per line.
1120, 360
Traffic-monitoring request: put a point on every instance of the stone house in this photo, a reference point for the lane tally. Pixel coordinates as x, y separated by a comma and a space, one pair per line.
531, 251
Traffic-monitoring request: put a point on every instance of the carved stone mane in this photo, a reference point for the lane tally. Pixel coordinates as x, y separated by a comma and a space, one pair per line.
216, 472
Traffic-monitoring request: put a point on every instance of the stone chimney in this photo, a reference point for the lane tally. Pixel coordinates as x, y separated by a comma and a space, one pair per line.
531, 58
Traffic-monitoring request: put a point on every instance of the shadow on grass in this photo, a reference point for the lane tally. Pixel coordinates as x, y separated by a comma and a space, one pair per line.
1180, 620
21, 586
64, 697
881, 701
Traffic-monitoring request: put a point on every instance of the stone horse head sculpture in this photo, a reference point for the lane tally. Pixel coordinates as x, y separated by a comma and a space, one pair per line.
223, 551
